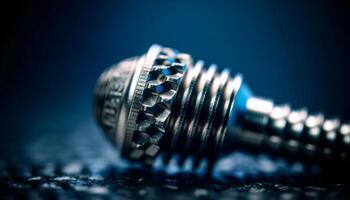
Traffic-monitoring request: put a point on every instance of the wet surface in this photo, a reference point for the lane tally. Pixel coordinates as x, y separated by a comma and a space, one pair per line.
77, 162
50, 147
134, 186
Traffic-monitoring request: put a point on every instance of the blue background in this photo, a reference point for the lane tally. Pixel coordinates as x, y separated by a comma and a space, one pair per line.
54, 51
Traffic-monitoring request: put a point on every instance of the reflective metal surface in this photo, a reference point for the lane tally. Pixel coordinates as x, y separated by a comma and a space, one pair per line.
162, 102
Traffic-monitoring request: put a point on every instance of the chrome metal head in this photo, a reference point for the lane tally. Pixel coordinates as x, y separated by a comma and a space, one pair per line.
162, 101
111, 102
133, 100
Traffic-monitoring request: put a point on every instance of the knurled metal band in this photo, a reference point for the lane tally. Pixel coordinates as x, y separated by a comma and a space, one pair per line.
155, 91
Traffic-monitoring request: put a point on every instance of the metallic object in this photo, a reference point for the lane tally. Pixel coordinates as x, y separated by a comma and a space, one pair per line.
163, 102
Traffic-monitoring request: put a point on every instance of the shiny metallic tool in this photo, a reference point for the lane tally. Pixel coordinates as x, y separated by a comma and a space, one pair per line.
162, 101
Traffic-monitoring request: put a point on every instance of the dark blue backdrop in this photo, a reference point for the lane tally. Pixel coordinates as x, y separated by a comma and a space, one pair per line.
53, 52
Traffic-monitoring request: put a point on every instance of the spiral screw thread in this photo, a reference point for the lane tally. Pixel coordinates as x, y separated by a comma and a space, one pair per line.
198, 121
294, 132
162, 102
